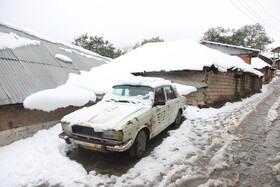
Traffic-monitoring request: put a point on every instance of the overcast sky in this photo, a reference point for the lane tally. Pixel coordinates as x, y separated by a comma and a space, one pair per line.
125, 22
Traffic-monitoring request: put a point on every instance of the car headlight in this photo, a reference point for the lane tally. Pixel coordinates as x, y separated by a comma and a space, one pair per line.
114, 135
109, 135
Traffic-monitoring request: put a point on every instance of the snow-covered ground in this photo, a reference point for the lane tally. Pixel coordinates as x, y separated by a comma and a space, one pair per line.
198, 147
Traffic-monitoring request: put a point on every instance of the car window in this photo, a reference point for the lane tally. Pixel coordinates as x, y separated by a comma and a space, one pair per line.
131, 91
159, 95
170, 93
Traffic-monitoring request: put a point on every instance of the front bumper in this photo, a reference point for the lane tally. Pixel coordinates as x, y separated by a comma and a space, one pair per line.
96, 146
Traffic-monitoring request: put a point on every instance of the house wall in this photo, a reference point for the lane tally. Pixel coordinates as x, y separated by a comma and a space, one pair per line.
215, 87
266, 74
17, 122
245, 57
221, 87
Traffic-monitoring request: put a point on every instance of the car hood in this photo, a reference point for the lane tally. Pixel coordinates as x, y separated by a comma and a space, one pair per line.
102, 116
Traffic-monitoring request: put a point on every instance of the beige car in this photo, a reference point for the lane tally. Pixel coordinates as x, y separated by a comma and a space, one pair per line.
126, 118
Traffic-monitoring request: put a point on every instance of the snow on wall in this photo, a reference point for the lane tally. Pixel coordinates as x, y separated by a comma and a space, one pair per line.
12, 41
258, 63
62, 96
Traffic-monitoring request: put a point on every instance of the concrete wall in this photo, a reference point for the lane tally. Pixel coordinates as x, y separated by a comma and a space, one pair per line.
17, 122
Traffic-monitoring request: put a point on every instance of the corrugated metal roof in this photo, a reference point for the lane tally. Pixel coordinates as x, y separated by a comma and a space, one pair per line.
29, 69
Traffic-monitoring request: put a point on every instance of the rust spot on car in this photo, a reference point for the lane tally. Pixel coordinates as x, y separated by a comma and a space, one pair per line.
129, 122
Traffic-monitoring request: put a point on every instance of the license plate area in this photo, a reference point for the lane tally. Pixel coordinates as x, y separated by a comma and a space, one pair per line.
92, 148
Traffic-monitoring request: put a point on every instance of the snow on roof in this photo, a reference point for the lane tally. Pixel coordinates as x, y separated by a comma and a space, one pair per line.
87, 85
12, 41
63, 58
233, 46
274, 45
258, 63
166, 56
46, 38
179, 55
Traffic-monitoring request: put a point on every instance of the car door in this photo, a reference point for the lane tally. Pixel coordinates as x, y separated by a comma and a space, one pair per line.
160, 112
172, 103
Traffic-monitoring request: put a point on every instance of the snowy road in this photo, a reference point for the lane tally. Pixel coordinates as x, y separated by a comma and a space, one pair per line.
235, 145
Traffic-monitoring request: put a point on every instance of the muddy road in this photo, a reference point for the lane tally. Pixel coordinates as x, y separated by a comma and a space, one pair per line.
256, 156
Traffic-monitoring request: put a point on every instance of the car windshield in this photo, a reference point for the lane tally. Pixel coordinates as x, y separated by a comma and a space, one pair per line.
130, 94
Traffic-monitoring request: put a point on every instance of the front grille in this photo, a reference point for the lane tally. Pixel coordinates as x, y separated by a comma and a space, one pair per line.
86, 131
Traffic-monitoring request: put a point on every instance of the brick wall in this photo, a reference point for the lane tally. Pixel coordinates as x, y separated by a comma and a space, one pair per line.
245, 57
213, 87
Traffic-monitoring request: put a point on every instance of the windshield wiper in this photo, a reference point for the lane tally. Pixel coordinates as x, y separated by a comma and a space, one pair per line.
125, 101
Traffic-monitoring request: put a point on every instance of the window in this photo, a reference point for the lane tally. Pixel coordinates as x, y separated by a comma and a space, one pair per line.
170, 94
159, 95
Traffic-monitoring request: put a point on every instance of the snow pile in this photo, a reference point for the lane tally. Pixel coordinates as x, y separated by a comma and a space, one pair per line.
80, 89
179, 55
258, 63
61, 96
63, 58
12, 41
273, 113
39, 160
184, 89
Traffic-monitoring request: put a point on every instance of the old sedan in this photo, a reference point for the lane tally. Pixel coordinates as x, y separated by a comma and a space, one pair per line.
126, 118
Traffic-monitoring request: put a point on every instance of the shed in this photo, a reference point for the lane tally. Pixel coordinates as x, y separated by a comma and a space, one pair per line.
244, 53
264, 67
30, 63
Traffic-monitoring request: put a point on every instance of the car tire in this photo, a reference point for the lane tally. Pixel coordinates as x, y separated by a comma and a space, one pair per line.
178, 119
139, 146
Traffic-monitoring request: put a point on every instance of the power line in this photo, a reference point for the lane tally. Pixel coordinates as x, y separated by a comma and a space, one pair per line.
258, 16
267, 12
254, 13
255, 17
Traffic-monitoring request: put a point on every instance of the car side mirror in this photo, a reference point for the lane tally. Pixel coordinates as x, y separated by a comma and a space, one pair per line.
159, 103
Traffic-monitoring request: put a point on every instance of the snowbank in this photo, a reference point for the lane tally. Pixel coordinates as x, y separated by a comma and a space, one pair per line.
61, 96
12, 41
258, 63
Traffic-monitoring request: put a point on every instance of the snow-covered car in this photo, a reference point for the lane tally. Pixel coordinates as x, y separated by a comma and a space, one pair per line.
126, 118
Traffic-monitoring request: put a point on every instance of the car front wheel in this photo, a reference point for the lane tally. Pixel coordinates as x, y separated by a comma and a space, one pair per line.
139, 146
178, 119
